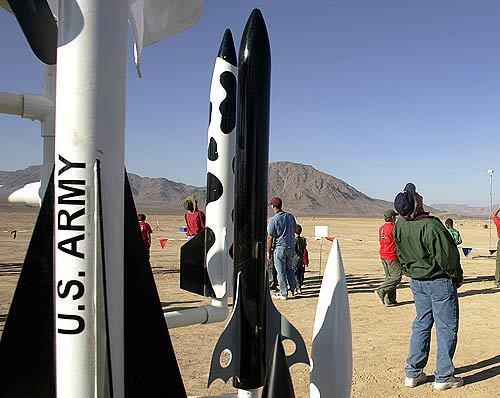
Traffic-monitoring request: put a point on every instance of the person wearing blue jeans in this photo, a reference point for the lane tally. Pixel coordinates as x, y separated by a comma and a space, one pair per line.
281, 235
283, 263
436, 302
431, 259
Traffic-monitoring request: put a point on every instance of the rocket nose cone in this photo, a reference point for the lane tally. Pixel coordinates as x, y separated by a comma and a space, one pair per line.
255, 37
226, 49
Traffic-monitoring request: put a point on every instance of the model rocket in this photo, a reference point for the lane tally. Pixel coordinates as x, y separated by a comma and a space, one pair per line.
331, 357
86, 320
39, 26
254, 324
206, 263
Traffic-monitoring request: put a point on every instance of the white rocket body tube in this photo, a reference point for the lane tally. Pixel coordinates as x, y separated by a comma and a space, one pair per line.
220, 173
90, 118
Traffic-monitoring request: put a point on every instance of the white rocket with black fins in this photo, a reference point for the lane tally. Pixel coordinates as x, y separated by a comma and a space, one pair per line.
206, 262
331, 356
86, 320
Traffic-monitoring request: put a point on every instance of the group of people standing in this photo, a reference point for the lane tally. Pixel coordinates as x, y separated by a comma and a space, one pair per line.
421, 247
286, 252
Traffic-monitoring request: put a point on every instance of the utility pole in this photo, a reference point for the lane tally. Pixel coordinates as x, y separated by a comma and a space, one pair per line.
490, 173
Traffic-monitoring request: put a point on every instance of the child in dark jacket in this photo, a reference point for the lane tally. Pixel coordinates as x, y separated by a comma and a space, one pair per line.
298, 256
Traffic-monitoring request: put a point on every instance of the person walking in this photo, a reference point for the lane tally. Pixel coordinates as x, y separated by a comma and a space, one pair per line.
280, 232
386, 292
431, 259
496, 220
146, 231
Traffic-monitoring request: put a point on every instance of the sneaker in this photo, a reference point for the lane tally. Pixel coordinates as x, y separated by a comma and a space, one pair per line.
497, 285
451, 382
415, 381
298, 290
391, 303
380, 295
278, 296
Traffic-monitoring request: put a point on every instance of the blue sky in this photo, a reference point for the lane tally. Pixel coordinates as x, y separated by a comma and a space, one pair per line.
374, 92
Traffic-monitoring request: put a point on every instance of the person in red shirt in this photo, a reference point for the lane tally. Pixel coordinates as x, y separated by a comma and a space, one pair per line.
386, 292
146, 231
195, 218
496, 220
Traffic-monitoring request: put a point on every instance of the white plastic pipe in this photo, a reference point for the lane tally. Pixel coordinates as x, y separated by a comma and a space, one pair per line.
11, 104
48, 129
27, 195
218, 311
29, 106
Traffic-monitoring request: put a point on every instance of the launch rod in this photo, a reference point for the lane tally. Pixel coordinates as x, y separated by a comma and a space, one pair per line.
90, 121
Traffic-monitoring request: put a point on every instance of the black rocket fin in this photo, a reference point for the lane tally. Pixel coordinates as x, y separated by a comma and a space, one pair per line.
27, 347
104, 369
151, 368
278, 382
228, 343
194, 275
39, 27
277, 324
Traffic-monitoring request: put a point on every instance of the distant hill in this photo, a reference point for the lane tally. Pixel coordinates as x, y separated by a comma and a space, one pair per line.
304, 190
307, 191
465, 210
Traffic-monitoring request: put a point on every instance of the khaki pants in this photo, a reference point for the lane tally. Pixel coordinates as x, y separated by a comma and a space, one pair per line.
393, 273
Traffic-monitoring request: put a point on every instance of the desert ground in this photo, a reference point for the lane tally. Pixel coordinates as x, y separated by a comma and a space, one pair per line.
380, 335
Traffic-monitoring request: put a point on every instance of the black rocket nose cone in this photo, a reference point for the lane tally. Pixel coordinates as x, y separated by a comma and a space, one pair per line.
255, 38
226, 49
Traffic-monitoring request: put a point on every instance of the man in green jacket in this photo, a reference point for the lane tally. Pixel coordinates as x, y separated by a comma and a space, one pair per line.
431, 259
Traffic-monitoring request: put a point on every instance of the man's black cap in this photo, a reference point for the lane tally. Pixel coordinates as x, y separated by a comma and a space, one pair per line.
410, 187
404, 202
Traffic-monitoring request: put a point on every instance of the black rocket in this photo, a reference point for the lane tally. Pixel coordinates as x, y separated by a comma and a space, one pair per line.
250, 333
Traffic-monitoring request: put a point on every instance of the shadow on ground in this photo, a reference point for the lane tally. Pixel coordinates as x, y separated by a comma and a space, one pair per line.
483, 374
10, 269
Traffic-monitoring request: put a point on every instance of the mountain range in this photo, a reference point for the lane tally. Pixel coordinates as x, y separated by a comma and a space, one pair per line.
304, 190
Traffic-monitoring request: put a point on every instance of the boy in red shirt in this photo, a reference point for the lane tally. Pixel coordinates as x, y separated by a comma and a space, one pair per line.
496, 220
146, 231
195, 219
386, 292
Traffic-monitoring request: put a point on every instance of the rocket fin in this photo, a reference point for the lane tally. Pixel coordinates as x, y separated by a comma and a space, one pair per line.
331, 354
278, 382
39, 27
229, 342
151, 368
277, 324
194, 275
27, 349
